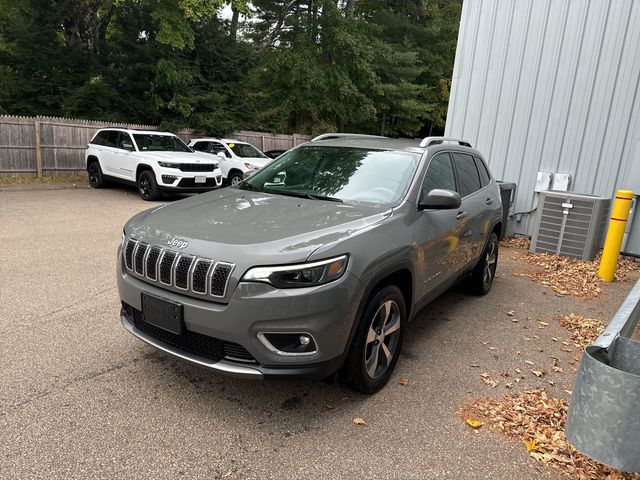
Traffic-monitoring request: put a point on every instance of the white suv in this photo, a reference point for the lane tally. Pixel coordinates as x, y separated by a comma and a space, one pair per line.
236, 158
153, 161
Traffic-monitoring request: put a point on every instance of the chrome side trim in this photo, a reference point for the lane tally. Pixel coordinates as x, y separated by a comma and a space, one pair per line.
229, 369
272, 349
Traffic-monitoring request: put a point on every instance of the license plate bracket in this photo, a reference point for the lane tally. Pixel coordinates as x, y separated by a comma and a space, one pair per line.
163, 313
200, 179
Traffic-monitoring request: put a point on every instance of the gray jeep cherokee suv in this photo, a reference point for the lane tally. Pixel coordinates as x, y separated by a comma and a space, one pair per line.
315, 264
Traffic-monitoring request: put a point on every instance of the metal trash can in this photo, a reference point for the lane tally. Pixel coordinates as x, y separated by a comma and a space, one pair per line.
604, 418
508, 194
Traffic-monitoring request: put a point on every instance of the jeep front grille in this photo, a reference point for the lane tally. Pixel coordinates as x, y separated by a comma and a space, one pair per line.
202, 276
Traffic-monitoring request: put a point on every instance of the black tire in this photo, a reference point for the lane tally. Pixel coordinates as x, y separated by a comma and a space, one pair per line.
96, 178
364, 369
485, 271
147, 186
234, 178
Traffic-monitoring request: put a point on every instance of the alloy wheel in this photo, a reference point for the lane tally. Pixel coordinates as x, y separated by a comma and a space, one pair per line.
490, 260
382, 339
93, 174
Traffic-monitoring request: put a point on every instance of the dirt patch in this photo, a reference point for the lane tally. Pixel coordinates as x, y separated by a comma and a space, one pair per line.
515, 242
538, 421
78, 179
583, 330
570, 276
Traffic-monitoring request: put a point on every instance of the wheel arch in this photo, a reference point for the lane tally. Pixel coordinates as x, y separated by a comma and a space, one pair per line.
141, 168
92, 159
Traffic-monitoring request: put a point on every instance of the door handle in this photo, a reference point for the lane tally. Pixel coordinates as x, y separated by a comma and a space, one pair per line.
461, 215
489, 201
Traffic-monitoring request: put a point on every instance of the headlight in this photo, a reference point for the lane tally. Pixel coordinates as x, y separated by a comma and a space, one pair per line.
301, 275
124, 237
169, 165
250, 166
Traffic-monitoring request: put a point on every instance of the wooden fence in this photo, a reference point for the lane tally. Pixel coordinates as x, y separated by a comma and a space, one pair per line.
39, 146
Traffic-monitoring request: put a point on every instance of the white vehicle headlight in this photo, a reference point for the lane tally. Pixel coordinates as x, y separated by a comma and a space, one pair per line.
169, 165
250, 166
300, 275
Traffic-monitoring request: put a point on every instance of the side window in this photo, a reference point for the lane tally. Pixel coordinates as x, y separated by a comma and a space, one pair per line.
111, 138
99, 138
484, 173
201, 146
125, 142
216, 147
468, 177
439, 174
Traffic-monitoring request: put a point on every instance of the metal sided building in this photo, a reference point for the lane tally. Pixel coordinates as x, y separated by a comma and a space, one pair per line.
550, 86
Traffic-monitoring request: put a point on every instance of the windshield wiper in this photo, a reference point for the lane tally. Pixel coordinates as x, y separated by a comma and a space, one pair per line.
323, 197
311, 196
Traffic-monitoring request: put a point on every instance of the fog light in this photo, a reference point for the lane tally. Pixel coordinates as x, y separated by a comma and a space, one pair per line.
289, 344
169, 178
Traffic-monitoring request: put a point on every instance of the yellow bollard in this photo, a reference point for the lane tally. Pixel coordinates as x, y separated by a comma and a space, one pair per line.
615, 233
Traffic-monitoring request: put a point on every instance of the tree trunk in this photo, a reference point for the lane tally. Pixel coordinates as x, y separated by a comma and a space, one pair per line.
234, 23
350, 8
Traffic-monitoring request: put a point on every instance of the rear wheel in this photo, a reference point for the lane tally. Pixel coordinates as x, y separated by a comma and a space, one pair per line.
147, 186
485, 271
376, 346
96, 179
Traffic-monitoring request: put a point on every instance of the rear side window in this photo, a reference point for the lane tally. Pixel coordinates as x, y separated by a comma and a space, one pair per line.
484, 173
468, 177
439, 174
217, 147
99, 138
111, 138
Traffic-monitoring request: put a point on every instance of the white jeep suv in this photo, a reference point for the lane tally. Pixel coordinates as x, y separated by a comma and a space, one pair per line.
153, 161
236, 158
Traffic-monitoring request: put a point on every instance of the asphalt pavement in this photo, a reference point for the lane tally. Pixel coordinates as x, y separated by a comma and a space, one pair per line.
82, 398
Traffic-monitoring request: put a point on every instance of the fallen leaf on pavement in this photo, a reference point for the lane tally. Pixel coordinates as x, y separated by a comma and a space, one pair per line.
359, 421
531, 445
583, 330
473, 423
511, 313
404, 381
537, 373
528, 362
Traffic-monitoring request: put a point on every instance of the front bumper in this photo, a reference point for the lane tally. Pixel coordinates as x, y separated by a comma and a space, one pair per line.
171, 179
326, 312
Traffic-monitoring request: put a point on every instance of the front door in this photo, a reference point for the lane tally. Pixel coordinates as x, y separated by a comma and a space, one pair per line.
437, 230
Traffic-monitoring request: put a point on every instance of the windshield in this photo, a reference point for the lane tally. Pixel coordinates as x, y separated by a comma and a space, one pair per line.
244, 150
338, 173
148, 142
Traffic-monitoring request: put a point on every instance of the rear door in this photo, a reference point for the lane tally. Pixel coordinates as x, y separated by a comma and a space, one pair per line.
109, 153
473, 211
437, 230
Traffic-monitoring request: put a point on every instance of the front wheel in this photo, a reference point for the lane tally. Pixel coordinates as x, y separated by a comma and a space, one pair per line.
485, 271
376, 346
96, 179
234, 178
147, 186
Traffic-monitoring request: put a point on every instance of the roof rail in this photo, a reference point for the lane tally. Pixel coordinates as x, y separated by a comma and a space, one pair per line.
330, 136
428, 141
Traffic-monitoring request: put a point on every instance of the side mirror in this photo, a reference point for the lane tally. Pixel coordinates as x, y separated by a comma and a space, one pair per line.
439, 199
221, 155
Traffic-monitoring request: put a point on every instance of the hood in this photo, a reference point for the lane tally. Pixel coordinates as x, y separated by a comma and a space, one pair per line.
252, 228
179, 157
